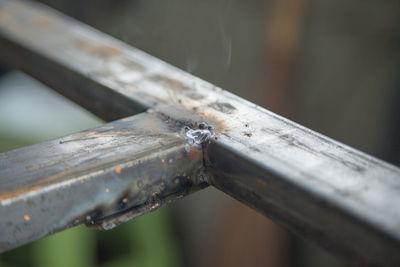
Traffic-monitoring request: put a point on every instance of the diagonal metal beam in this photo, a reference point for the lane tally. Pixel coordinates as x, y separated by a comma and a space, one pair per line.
318, 187
101, 177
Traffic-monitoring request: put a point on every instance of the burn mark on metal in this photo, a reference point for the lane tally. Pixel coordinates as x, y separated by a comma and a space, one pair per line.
152, 200
248, 134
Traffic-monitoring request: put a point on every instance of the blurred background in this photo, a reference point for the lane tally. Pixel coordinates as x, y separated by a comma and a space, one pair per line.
333, 66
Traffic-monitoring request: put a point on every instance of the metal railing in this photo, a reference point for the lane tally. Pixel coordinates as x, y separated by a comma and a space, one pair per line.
188, 134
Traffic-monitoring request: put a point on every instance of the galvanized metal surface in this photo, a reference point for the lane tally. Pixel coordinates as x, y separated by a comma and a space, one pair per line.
100, 177
320, 188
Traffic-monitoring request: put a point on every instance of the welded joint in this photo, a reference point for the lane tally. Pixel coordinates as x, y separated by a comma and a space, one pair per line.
200, 136
196, 136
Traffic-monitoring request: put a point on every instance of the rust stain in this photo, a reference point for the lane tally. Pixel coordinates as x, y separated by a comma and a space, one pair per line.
41, 184
262, 184
101, 50
107, 190
27, 217
163, 161
18, 192
171, 83
195, 152
175, 84
164, 177
42, 21
219, 124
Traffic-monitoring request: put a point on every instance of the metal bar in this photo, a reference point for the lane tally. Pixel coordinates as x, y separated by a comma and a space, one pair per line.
100, 177
320, 188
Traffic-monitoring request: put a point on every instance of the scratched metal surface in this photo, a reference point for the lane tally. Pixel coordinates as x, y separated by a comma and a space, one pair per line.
320, 188
101, 177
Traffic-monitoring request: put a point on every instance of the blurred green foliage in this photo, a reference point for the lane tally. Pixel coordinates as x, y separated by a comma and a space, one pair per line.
145, 241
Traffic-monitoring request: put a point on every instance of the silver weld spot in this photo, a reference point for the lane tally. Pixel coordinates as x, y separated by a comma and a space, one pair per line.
197, 137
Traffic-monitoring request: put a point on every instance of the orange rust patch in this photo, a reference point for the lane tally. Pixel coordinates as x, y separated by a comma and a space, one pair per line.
262, 184
107, 190
101, 50
118, 170
195, 153
211, 119
27, 218
18, 192
163, 161
174, 83
42, 22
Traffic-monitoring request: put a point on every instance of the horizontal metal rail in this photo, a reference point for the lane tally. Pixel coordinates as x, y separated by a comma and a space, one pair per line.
321, 189
100, 177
